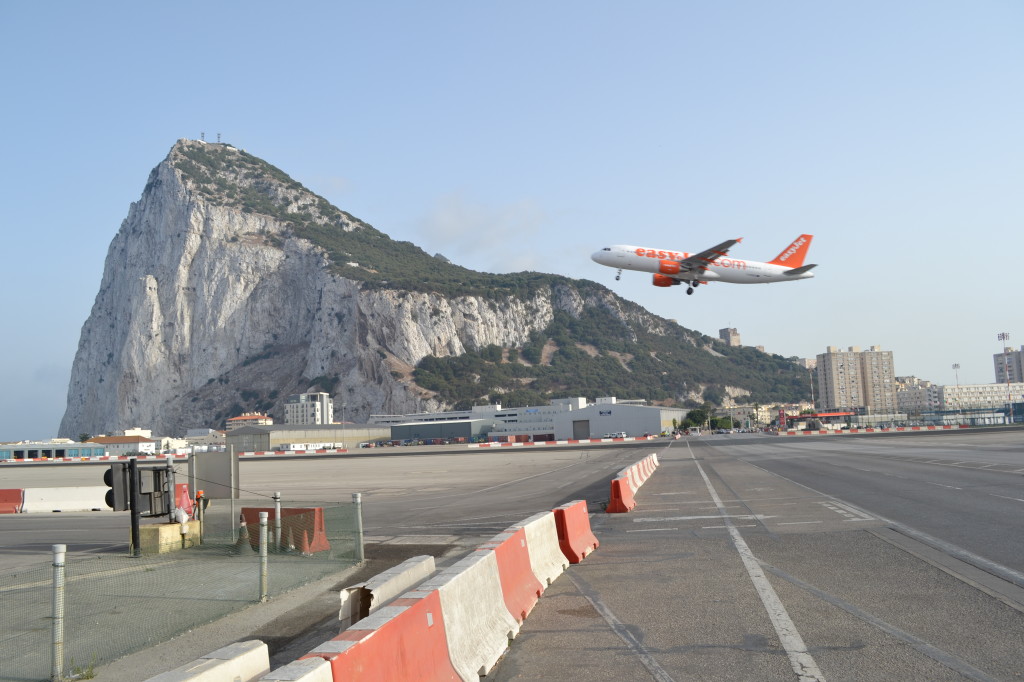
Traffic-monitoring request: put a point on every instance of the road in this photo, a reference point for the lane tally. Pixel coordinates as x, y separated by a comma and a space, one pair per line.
748, 557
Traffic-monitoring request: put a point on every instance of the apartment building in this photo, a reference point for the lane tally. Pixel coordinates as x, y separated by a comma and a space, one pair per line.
855, 379
309, 408
1009, 365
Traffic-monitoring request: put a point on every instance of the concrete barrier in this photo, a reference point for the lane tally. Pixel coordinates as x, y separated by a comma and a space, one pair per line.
627, 482
71, 499
241, 662
546, 556
477, 623
11, 500
406, 640
300, 526
303, 670
362, 599
520, 588
575, 538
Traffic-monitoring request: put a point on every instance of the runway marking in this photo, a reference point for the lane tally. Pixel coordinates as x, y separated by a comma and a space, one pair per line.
624, 633
649, 530
942, 485
744, 517
753, 525
1015, 499
800, 659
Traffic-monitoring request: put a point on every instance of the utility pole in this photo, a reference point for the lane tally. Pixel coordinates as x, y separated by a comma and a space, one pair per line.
1004, 337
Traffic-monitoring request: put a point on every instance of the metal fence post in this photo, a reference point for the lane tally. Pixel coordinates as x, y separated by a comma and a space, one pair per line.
57, 653
263, 556
357, 500
277, 522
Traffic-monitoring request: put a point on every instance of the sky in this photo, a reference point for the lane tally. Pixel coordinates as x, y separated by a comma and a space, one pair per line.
527, 135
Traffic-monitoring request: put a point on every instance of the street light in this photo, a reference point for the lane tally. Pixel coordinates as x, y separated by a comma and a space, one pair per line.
1003, 338
956, 368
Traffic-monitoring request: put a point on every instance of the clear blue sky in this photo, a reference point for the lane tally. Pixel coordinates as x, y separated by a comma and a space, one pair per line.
526, 135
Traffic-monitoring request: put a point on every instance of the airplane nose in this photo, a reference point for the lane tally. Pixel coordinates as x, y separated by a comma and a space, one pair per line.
600, 257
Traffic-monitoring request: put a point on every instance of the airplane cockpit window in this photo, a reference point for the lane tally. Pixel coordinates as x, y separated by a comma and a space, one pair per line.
607, 248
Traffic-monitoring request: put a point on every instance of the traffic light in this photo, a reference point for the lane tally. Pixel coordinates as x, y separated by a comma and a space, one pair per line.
116, 478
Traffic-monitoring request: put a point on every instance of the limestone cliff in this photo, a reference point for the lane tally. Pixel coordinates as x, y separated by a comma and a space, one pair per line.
230, 286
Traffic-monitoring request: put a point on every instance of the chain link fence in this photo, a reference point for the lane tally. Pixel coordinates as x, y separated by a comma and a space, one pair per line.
114, 605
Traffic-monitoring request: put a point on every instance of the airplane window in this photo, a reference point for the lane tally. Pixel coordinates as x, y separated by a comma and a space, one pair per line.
607, 248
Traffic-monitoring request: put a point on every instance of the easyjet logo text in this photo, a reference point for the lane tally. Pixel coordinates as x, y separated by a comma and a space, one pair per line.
682, 255
792, 249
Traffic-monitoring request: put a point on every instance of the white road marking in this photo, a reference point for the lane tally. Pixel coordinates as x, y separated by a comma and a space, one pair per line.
795, 523
800, 659
1015, 499
941, 485
649, 530
752, 525
744, 517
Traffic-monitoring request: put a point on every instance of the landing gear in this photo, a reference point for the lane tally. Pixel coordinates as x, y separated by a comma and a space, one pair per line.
618, 275
689, 291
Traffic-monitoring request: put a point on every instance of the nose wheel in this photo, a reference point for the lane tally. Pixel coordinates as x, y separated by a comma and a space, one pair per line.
618, 275
689, 291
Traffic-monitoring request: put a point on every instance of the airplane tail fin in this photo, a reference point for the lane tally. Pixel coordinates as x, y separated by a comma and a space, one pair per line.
793, 255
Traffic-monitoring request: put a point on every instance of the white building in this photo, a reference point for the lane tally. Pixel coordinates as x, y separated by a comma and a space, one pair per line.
309, 408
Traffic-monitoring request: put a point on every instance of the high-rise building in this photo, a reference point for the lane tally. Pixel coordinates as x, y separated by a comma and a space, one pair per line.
856, 379
309, 408
1009, 365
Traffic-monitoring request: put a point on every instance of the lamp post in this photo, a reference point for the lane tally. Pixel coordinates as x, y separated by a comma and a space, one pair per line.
956, 369
1003, 338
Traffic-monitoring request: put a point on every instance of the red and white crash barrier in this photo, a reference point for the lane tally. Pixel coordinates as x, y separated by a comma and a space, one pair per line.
627, 482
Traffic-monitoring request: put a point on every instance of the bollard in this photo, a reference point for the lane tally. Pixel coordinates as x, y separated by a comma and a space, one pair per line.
57, 657
277, 522
357, 500
263, 556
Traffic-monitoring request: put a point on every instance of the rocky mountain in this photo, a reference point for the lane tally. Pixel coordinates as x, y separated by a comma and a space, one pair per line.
230, 286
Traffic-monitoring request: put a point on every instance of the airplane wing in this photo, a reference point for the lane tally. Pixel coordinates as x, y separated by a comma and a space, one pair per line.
697, 263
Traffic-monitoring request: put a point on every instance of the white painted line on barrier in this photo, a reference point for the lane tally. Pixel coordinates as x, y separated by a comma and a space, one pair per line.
799, 658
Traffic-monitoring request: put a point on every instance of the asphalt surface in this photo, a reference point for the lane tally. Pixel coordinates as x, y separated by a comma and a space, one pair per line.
748, 557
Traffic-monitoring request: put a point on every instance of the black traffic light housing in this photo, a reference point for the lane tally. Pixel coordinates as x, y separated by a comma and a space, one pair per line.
117, 479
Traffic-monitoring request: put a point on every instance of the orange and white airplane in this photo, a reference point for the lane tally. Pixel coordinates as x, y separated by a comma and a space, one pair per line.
713, 265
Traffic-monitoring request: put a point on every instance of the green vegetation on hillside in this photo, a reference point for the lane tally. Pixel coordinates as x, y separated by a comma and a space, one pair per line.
597, 356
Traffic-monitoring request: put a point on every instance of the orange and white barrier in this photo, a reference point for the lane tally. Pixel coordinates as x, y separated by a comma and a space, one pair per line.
520, 586
360, 600
239, 661
574, 535
477, 623
302, 527
627, 482
898, 429
456, 624
546, 557
405, 640
11, 500
303, 670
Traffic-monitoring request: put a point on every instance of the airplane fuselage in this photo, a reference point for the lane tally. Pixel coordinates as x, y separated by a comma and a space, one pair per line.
722, 269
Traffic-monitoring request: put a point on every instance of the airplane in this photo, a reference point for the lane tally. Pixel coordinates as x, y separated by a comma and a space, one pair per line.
671, 268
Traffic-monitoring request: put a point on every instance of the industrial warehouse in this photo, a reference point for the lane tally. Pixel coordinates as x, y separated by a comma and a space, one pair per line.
561, 419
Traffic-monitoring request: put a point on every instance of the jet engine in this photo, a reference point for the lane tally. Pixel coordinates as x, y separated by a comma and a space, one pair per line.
663, 281
668, 267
